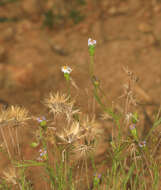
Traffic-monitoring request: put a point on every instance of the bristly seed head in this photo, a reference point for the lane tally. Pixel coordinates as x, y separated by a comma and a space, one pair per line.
11, 175
59, 104
70, 134
14, 114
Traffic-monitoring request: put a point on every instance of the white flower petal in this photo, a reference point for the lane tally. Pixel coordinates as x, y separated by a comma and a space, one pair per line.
91, 42
66, 69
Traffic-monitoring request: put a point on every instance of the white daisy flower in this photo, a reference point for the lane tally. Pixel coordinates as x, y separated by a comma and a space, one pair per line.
91, 42
66, 69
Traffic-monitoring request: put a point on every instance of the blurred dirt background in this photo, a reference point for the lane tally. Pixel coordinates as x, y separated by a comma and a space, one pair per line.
37, 37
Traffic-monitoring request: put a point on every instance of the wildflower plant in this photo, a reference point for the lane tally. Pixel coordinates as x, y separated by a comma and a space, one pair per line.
96, 84
142, 144
43, 155
133, 131
67, 70
42, 122
96, 180
91, 45
67, 143
91, 48
41, 132
135, 118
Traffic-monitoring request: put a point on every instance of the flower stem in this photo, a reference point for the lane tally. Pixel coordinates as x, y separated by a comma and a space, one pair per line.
91, 66
107, 110
68, 86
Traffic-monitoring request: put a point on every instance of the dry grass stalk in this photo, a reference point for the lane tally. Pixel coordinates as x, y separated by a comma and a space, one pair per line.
11, 118
130, 99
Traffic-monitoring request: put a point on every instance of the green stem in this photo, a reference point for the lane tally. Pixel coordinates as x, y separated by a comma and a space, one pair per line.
156, 124
43, 141
91, 66
109, 111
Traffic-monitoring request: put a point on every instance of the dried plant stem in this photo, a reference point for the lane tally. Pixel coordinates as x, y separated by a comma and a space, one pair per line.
126, 105
157, 117
4, 138
19, 186
86, 172
88, 103
46, 185
65, 162
126, 112
81, 170
112, 134
94, 106
12, 139
17, 139
156, 147
148, 167
77, 174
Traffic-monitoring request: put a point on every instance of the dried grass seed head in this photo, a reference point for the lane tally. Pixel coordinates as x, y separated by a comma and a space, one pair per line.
87, 123
91, 126
105, 116
14, 113
89, 131
59, 104
69, 134
84, 148
11, 175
